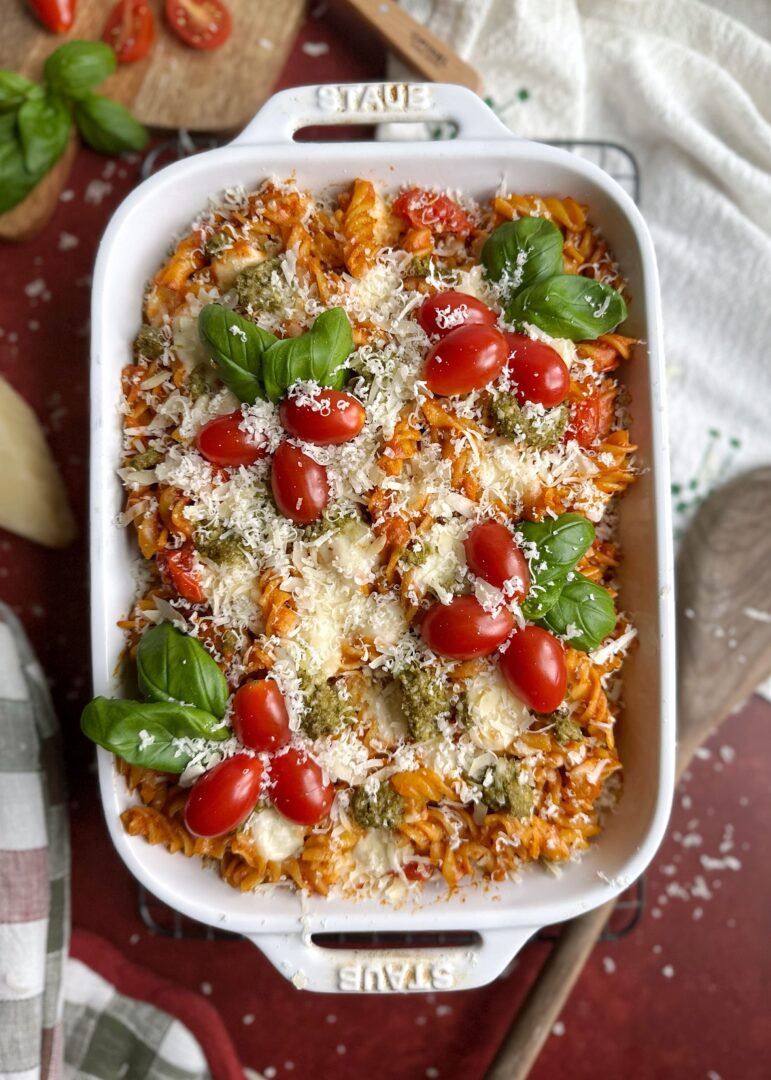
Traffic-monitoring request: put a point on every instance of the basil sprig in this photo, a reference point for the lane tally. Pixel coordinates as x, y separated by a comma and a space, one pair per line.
525, 258
319, 355
143, 732
560, 599
36, 119
255, 364
174, 667
523, 252
569, 306
187, 697
237, 347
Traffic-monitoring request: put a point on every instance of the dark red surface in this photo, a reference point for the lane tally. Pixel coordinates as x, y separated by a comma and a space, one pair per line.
685, 995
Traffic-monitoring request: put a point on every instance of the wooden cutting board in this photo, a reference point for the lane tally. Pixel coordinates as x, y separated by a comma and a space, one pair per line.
174, 86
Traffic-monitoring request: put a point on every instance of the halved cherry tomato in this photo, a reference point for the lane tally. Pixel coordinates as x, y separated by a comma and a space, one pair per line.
429, 210
260, 719
330, 418
468, 358
539, 371
534, 667
56, 15
222, 442
584, 423
417, 871
176, 566
202, 24
130, 29
298, 790
445, 311
224, 796
299, 484
463, 629
492, 554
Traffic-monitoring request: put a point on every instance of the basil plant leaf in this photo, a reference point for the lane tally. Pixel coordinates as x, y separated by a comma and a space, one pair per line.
318, 355
569, 306
44, 130
143, 732
560, 543
78, 66
16, 181
13, 90
584, 613
107, 126
519, 253
237, 347
174, 667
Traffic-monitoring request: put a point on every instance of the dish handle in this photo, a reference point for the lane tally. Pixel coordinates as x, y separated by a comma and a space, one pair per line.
392, 970
371, 103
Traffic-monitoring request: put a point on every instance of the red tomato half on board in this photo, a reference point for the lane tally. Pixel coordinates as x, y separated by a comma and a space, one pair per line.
492, 555
466, 359
222, 442
130, 30
56, 15
331, 417
260, 719
298, 790
429, 210
224, 797
445, 311
177, 566
534, 667
463, 629
538, 370
202, 24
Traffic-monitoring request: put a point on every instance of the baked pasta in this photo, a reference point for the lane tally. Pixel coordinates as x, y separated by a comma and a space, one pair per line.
371, 448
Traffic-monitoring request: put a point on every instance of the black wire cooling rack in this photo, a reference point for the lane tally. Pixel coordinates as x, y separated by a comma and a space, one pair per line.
162, 920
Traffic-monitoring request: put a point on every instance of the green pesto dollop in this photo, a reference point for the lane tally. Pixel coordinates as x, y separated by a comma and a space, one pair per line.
146, 460
502, 790
379, 810
325, 711
198, 381
149, 342
258, 289
567, 730
331, 520
424, 700
217, 545
538, 431
417, 555
216, 244
420, 265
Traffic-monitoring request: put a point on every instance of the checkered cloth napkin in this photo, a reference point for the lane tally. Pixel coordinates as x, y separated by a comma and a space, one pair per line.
70, 1004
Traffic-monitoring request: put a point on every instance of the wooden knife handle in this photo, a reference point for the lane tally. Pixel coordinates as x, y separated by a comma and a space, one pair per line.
414, 44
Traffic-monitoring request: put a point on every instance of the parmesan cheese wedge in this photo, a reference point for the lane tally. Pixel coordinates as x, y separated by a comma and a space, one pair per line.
33, 501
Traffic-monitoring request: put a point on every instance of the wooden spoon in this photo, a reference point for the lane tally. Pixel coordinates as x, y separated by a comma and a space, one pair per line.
724, 653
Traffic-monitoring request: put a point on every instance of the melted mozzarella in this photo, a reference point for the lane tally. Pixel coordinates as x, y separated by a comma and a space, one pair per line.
496, 715
274, 836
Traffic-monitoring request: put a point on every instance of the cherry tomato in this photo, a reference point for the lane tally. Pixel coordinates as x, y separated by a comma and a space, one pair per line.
222, 442
260, 719
56, 15
468, 358
176, 566
299, 484
429, 210
534, 667
463, 629
298, 790
224, 796
417, 871
130, 30
584, 423
442, 312
202, 24
492, 554
539, 371
331, 418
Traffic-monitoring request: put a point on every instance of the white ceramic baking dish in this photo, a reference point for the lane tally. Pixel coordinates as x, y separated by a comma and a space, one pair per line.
483, 155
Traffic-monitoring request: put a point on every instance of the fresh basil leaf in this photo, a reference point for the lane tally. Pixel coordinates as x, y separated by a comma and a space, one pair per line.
541, 596
143, 732
569, 306
78, 66
520, 253
44, 129
583, 606
561, 542
318, 355
13, 90
237, 347
107, 126
174, 667
16, 181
